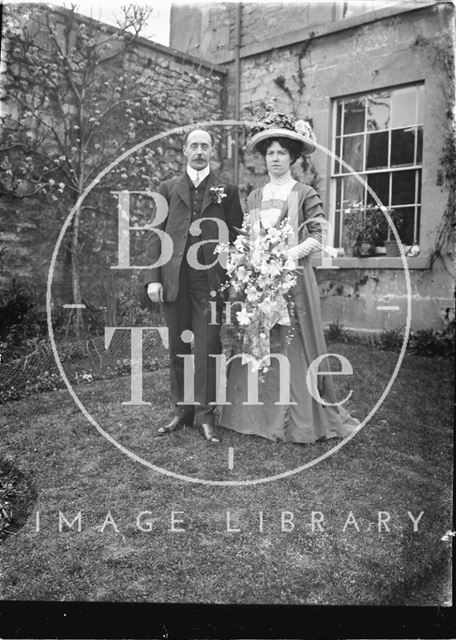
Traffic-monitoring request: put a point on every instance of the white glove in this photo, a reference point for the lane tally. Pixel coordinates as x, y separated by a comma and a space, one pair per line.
155, 291
293, 253
304, 249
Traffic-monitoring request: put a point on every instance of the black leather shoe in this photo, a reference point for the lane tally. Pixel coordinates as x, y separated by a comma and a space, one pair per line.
208, 433
175, 424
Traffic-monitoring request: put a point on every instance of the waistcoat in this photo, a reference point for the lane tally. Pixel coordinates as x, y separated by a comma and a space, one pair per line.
196, 201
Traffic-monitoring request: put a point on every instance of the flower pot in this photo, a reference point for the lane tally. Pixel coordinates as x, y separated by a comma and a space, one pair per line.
392, 249
380, 251
364, 249
349, 251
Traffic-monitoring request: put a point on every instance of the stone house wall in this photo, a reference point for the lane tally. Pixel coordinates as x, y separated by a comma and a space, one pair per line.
387, 48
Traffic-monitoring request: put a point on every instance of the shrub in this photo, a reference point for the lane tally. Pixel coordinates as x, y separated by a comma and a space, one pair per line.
15, 303
429, 342
390, 339
23, 324
6, 512
7, 493
131, 311
336, 331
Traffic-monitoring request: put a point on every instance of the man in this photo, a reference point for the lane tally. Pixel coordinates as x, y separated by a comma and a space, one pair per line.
185, 290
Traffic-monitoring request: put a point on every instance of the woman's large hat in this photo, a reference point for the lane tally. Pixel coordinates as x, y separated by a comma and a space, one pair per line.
278, 125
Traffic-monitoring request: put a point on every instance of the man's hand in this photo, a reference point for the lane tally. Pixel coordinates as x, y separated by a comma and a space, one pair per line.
155, 291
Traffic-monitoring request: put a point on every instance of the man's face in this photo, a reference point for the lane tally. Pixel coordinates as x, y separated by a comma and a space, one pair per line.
198, 149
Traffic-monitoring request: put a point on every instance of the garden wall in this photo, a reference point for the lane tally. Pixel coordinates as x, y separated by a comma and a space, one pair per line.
194, 91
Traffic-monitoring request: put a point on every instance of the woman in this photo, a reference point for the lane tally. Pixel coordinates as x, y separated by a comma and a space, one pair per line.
309, 416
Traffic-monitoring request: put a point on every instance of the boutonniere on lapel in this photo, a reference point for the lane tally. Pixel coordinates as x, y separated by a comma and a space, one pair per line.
217, 194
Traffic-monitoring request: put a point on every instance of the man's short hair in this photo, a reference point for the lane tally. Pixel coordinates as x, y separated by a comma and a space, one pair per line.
199, 129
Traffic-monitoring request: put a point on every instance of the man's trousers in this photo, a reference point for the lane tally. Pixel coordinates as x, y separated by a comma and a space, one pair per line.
192, 311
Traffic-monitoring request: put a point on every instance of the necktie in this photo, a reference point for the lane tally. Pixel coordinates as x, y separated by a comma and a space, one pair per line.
197, 180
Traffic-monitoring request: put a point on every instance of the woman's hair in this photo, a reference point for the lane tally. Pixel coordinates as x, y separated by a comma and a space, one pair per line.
294, 147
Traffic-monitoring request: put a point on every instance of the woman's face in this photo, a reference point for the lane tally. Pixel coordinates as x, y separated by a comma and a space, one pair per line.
278, 159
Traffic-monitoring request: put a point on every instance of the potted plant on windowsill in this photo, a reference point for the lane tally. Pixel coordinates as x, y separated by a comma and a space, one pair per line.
353, 226
399, 219
365, 227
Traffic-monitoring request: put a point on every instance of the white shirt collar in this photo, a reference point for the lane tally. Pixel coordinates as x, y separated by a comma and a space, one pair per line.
202, 174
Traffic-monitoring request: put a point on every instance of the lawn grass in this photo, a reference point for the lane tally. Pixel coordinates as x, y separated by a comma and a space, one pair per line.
401, 461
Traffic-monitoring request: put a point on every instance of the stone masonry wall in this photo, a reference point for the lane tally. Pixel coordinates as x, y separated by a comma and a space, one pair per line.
195, 92
261, 21
209, 28
385, 53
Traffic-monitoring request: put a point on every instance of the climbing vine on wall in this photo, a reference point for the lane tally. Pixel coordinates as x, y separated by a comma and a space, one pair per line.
296, 97
441, 54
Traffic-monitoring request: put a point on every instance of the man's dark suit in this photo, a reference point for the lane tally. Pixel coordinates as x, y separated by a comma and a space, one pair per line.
187, 291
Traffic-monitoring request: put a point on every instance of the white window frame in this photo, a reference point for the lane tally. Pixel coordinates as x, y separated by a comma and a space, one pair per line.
338, 230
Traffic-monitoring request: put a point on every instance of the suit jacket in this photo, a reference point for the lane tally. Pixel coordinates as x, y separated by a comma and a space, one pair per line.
177, 194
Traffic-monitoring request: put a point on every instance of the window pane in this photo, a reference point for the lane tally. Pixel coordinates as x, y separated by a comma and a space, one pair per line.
419, 146
377, 150
417, 224
353, 190
403, 107
353, 152
379, 183
403, 187
339, 118
420, 109
404, 221
337, 229
337, 166
402, 146
339, 193
378, 111
354, 116
380, 136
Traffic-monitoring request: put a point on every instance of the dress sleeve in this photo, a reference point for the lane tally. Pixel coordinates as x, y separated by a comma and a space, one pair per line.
311, 227
313, 215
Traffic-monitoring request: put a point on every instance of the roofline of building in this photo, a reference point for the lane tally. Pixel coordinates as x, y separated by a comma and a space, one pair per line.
320, 31
145, 42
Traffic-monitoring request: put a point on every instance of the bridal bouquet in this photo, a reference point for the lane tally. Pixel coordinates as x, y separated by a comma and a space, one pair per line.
260, 275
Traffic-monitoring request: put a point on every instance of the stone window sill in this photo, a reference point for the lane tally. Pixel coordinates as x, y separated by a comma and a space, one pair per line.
382, 262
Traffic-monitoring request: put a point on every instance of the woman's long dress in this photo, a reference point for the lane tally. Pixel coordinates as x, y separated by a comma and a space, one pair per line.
305, 419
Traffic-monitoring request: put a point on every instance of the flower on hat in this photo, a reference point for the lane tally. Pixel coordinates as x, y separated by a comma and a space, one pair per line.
304, 128
274, 120
281, 124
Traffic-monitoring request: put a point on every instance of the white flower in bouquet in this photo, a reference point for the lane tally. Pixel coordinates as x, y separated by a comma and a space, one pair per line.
266, 306
243, 317
239, 243
242, 274
263, 281
256, 254
275, 269
259, 274
256, 227
274, 234
252, 294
